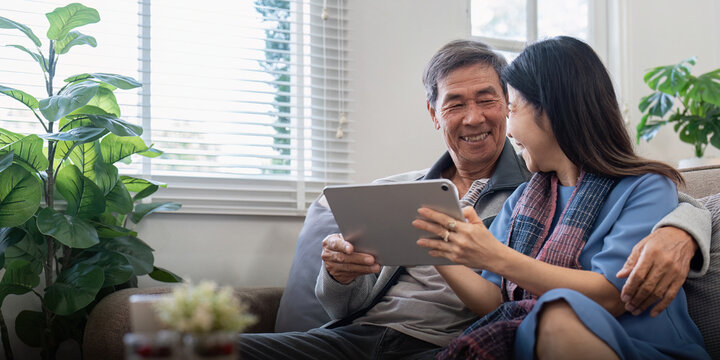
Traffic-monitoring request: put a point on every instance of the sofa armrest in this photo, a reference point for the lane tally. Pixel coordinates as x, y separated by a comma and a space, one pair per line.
264, 303
109, 321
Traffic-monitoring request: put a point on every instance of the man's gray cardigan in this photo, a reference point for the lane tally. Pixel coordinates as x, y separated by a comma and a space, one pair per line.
347, 302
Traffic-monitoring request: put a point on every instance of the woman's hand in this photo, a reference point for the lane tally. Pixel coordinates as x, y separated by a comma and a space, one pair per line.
469, 244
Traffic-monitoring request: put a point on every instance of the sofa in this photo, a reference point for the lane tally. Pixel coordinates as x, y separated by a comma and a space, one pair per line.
109, 320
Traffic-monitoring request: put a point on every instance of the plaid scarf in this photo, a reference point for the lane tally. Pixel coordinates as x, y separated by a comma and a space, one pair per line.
493, 336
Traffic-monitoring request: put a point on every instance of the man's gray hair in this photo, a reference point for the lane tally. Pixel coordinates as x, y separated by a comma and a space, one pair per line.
457, 54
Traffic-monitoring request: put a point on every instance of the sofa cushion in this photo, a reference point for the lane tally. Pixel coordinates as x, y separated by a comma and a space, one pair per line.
299, 309
703, 293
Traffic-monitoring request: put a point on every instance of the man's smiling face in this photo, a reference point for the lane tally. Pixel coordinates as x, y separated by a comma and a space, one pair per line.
471, 110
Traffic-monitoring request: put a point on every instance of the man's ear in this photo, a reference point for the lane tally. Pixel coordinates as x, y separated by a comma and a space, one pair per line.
431, 110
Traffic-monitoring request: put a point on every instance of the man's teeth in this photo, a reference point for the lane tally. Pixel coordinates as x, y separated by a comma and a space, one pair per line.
476, 137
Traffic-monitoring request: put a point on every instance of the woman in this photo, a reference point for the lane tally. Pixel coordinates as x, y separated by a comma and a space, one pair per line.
568, 230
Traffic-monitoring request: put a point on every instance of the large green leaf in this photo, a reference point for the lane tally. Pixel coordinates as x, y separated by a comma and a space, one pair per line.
84, 198
74, 38
21, 96
28, 149
137, 185
81, 134
69, 230
74, 289
72, 98
28, 325
143, 188
105, 176
151, 152
64, 19
6, 23
669, 79
115, 148
116, 126
138, 254
119, 81
689, 133
6, 160
18, 279
706, 88
145, 192
110, 231
9, 137
37, 57
115, 266
164, 275
85, 157
63, 147
715, 138
27, 250
142, 210
20, 194
104, 103
119, 199
10, 236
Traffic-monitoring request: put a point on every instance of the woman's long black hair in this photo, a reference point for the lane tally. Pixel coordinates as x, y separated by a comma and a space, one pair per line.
565, 78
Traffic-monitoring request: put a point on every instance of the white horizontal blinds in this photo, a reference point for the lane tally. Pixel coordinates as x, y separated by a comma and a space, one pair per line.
245, 97
115, 53
328, 89
246, 105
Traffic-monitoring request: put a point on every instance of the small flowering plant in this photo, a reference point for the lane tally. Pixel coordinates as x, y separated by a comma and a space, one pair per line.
205, 308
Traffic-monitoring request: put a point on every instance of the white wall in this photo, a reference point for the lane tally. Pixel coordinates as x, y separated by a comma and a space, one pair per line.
392, 41
664, 32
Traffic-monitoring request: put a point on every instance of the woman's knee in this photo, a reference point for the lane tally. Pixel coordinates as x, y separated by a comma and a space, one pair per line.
557, 318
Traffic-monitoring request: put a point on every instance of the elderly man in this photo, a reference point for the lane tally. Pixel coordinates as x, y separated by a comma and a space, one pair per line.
398, 312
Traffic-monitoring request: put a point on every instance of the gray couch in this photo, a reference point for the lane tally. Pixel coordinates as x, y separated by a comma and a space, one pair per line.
110, 319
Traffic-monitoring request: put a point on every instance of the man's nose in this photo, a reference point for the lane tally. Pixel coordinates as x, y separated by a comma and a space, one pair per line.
475, 114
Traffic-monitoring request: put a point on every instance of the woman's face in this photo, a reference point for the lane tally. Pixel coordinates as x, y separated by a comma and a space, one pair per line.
532, 133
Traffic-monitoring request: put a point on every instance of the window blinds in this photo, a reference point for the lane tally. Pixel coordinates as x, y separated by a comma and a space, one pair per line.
248, 99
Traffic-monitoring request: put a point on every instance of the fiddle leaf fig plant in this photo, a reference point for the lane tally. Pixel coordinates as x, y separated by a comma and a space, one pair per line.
84, 246
695, 100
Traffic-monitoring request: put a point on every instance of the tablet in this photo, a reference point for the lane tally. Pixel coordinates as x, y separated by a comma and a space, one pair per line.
377, 218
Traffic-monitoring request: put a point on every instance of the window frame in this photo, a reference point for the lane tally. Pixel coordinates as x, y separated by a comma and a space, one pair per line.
607, 34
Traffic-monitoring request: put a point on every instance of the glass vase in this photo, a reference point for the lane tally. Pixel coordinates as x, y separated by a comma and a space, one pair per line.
216, 345
161, 345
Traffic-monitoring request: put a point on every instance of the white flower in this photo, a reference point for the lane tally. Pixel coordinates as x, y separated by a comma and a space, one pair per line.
203, 308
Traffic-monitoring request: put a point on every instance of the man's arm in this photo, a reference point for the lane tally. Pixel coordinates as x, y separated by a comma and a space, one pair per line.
659, 264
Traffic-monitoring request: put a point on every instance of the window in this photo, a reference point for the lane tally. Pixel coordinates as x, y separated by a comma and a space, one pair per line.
509, 25
247, 98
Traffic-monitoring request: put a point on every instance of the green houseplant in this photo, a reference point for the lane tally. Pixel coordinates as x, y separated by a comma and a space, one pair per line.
83, 246
696, 100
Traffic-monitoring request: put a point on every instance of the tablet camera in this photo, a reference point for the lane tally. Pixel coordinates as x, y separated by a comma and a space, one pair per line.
444, 187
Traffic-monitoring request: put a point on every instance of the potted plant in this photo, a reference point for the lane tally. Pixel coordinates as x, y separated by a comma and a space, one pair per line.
209, 317
695, 100
65, 212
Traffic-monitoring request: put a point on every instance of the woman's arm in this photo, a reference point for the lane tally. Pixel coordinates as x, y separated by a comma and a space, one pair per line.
479, 295
472, 245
